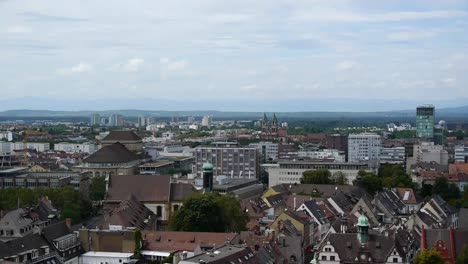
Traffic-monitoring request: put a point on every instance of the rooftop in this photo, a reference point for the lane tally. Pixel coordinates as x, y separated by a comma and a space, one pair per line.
116, 136
115, 153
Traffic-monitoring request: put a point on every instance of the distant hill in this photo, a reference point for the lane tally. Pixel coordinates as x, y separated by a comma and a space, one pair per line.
455, 112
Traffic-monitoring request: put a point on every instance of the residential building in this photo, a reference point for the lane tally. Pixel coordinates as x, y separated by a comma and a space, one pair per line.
441, 211
337, 141
95, 119
448, 242
392, 155
290, 172
142, 121
425, 121
429, 152
5, 148
224, 254
363, 147
238, 162
318, 215
268, 150
207, 121
37, 146
75, 148
115, 120
324, 154
8, 135
461, 153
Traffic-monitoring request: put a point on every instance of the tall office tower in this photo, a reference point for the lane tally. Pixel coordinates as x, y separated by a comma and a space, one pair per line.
363, 147
142, 121
95, 119
207, 120
425, 121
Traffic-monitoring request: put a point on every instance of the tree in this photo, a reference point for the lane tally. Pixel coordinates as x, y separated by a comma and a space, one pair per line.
340, 178
369, 181
462, 256
319, 176
426, 190
429, 257
97, 188
138, 244
209, 212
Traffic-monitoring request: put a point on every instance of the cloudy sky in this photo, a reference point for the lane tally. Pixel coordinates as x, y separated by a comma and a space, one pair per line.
236, 55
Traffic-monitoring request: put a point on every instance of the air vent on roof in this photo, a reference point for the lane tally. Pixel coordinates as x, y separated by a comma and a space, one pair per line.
377, 244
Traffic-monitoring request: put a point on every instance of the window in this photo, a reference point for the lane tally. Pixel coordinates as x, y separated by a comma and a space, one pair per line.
159, 211
324, 257
395, 260
332, 257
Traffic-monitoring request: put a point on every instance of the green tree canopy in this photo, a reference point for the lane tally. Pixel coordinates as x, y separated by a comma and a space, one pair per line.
340, 178
428, 257
369, 181
209, 212
319, 176
97, 188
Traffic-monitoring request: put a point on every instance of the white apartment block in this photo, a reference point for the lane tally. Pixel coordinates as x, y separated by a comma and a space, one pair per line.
5, 148
461, 153
363, 147
38, 146
207, 120
268, 150
334, 154
76, 148
6, 135
290, 172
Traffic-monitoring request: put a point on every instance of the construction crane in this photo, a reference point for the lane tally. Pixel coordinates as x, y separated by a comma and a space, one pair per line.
25, 144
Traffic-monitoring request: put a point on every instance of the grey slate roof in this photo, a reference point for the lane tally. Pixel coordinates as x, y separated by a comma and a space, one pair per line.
316, 211
22, 244
390, 200
122, 136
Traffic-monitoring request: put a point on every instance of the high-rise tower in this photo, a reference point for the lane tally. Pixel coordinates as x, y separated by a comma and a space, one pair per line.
425, 121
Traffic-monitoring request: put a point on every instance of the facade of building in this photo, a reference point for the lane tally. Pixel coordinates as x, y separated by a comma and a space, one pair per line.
95, 119
290, 172
75, 148
392, 155
8, 135
269, 128
425, 121
268, 150
363, 147
206, 121
461, 153
328, 154
38, 146
237, 162
429, 152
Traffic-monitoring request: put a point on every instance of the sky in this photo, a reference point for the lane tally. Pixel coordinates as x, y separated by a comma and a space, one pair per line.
239, 55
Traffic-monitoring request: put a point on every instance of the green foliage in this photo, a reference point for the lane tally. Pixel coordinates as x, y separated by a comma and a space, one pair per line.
403, 134
429, 257
340, 178
138, 243
369, 181
448, 191
193, 134
97, 188
462, 256
319, 176
70, 201
209, 212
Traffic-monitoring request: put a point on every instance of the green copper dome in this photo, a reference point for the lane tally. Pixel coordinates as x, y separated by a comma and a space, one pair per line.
363, 221
208, 166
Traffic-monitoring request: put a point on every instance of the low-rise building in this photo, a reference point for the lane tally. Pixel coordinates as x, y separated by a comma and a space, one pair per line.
392, 155
75, 148
461, 154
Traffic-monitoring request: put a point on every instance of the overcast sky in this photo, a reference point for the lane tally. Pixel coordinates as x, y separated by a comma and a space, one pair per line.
283, 52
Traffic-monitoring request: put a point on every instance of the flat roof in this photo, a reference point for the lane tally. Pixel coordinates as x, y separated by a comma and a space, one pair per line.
157, 164
107, 254
15, 169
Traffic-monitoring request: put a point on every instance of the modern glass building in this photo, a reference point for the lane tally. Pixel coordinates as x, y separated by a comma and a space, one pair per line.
425, 121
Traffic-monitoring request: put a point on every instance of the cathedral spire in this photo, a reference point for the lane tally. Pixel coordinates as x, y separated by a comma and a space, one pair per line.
265, 118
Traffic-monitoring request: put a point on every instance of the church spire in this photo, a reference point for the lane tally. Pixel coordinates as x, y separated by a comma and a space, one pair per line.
275, 120
265, 118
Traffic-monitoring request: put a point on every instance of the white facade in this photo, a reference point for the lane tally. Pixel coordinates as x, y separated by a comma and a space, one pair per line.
268, 149
429, 152
39, 147
363, 147
99, 257
5, 148
207, 120
290, 172
75, 148
337, 155
6, 135
461, 153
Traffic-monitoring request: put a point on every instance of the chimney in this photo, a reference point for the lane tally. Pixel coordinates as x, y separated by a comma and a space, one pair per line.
68, 223
294, 203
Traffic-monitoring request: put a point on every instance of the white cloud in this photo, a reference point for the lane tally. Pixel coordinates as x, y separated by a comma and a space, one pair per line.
329, 15
410, 35
81, 67
18, 29
132, 65
346, 65
173, 65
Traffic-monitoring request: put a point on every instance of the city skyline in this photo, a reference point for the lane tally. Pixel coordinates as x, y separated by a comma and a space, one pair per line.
258, 56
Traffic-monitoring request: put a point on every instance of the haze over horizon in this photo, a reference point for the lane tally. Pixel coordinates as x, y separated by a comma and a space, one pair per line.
233, 56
